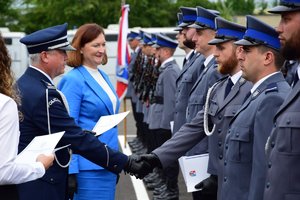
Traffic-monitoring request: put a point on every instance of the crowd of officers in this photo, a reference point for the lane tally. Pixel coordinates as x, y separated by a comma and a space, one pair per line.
171, 103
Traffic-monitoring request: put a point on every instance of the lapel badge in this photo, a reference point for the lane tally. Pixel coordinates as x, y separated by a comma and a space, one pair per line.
255, 93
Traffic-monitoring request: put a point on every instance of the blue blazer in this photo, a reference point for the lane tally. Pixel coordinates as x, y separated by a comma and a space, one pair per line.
88, 102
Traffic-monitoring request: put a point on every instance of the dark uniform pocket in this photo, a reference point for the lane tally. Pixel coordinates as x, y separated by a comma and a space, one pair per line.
187, 78
289, 133
213, 108
240, 145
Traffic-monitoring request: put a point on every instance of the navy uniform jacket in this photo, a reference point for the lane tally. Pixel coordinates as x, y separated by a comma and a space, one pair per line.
130, 89
197, 97
283, 151
191, 133
184, 83
244, 151
290, 67
162, 114
220, 112
52, 185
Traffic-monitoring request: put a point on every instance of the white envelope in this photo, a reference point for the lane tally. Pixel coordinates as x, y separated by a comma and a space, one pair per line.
194, 170
109, 121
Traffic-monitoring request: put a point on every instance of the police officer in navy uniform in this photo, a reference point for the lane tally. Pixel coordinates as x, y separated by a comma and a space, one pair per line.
162, 111
134, 42
219, 109
244, 161
224, 98
190, 70
283, 152
44, 111
205, 31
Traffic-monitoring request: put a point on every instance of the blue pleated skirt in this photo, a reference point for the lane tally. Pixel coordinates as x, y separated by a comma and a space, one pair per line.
95, 185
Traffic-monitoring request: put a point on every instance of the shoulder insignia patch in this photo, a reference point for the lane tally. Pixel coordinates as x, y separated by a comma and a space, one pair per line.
271, 88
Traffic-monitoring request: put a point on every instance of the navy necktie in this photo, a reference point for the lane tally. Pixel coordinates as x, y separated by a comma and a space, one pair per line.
228, 87
184, 61
189, 58
296, 78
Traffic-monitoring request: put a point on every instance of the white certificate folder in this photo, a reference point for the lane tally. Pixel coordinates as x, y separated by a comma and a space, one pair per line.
194, 170
44, 144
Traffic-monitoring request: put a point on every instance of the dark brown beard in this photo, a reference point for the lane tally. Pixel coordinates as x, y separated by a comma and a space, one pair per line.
291, 49
228, 65
189, 44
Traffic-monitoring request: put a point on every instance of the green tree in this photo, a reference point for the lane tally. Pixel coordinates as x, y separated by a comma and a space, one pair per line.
37, 14
194, 3
145, 13
41, 13
8, 15
226, 9
262, 6
275, 3
238, 7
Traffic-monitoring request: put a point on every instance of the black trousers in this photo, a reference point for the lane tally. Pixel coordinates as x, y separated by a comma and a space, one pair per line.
171, 172
9, 192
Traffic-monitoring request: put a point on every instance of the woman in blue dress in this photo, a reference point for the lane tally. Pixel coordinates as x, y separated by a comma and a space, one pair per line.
90, 95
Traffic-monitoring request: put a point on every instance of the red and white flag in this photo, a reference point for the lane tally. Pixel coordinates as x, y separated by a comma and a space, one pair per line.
123, 57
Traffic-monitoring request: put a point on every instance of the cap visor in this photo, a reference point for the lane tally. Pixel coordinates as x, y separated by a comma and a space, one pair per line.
244, 42
67, 48
196, 26
217, 41
155, 45
183, 24
178, 29
281, 9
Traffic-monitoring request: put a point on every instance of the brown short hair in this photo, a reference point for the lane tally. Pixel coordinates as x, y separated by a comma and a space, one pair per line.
85, 34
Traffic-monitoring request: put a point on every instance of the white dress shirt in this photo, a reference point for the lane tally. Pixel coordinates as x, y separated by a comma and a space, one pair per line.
102, 82
11, 172
255, 86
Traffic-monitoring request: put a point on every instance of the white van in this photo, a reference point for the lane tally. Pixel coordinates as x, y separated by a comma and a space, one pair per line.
111, 36
17, 51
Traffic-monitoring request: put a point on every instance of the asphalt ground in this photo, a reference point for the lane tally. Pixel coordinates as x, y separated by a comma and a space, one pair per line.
129, 188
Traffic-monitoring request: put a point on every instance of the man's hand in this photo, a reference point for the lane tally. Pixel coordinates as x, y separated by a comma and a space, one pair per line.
152, 159
46, 160
209, 185
137, 167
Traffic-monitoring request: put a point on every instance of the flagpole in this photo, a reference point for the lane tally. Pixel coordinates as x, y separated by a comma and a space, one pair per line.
124, 99
125, 123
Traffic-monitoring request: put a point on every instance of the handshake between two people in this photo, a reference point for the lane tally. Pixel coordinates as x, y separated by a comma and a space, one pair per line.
142, 165
137, 165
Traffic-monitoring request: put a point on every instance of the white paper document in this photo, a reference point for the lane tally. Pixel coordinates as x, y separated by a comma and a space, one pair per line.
109, 121
172, 126
194, 170
44, 144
